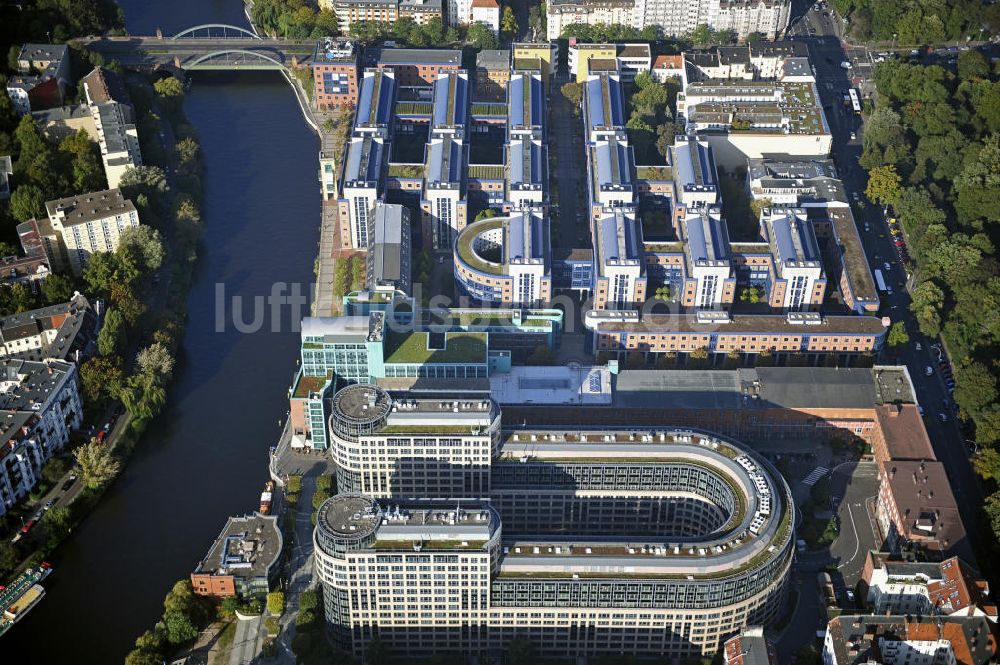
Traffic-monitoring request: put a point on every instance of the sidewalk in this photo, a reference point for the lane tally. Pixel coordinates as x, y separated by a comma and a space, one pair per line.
301, 570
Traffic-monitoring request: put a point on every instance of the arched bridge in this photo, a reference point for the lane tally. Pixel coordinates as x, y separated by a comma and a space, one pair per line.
213, 46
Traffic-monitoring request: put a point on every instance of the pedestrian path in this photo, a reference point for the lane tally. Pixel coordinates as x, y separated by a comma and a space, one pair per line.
815, 475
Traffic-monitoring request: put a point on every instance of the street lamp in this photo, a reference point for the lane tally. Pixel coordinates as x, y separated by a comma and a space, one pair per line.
893, 42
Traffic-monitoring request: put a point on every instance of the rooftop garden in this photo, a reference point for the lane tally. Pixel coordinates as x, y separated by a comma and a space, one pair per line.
308, 385
406, 170
481, 108
654, 172
413, 108
486, 171
460, 347
469, 256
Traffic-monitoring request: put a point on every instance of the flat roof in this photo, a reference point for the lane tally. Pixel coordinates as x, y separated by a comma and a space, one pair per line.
493, 58
247, 547
388, 257
552, 385
414, 56
746, 324
763, 387
84, 208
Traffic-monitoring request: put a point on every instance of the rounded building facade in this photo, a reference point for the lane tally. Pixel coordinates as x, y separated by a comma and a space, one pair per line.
661, 543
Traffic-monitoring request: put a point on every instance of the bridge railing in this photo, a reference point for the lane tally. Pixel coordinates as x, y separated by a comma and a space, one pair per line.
211, 32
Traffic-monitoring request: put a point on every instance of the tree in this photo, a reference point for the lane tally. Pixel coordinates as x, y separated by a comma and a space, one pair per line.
992, 509
27, 202
883, 184
485, 213
155, 361
148, 180
57, 289
179, 627
926, 303
9, 557
144, 245
758, 205
143, 395
898, 335
276, 603
751, 294
58, 522
665, 135
100, 379
111, 339
508, 23
55, 469
973, 65
482, 36
97, 464
125, 301
16, 298
142, 657
976, 387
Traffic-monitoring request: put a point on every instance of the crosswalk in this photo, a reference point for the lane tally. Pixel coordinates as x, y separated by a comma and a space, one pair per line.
814, 476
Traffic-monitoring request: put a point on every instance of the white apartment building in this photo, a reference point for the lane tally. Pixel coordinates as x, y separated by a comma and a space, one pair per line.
87, 224
675, 18
444, 205
361, 188
118, 139
695, 176
56, 331
562, 13
709, 264
111, 109
620, 275
749, 119
39, 406
487, 12
459, 12
797, 260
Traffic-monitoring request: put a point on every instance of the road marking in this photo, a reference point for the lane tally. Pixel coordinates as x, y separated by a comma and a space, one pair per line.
814, 476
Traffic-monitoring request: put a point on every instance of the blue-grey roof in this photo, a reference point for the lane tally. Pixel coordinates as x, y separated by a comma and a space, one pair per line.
445, 158
604, 102
527, 238
526, 101
694, 164
793, 239
619, 238
364, 159
451, 100
525, 162
614, 164
706, 238
380, 86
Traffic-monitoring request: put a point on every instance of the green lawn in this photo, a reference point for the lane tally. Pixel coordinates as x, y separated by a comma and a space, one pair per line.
460, 347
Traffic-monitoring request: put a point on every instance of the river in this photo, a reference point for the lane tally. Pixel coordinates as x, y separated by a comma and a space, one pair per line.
205, 458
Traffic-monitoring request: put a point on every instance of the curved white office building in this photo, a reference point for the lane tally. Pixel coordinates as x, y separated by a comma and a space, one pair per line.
655, 542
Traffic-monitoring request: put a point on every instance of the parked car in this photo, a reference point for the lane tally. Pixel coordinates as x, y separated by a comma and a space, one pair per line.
928, 371
28, 526
69, 483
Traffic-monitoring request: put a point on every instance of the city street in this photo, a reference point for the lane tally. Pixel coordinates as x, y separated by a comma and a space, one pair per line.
946, 437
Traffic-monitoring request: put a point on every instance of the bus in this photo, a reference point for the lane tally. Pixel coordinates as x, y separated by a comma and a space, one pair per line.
855, 100
880, 280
